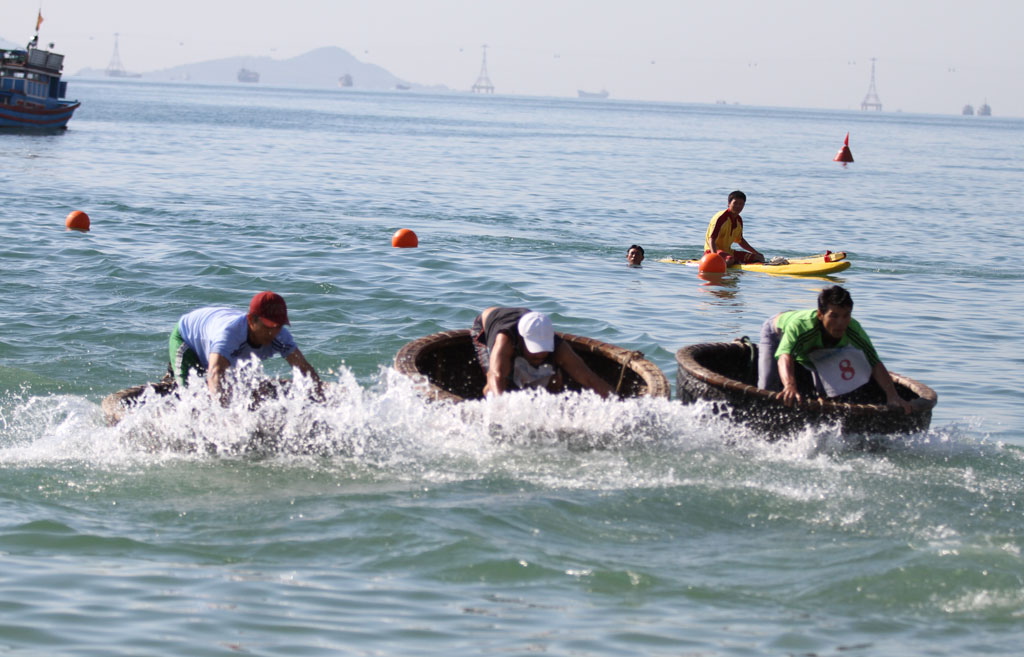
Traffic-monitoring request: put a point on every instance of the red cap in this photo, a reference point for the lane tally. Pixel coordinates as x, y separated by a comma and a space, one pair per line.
270, 308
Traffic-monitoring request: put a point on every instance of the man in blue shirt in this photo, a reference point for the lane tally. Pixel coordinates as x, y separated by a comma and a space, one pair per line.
210, 340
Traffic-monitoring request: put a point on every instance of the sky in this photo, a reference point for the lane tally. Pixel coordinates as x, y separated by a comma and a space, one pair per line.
931, 56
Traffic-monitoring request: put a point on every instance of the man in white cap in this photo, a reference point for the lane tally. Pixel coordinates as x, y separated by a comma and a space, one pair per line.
517, 349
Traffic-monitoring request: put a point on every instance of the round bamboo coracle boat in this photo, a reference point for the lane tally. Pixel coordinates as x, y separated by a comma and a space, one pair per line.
447, 363
726, 373
116, 404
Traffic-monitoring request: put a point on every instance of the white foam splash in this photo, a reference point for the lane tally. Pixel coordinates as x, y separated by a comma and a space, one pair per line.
573, 439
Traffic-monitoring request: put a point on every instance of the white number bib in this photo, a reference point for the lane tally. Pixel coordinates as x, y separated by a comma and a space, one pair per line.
841, 370
525, 375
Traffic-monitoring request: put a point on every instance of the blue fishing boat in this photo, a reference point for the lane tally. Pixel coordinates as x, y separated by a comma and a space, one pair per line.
31, 91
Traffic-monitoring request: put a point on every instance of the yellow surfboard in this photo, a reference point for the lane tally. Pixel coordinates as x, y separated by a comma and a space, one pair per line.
808, 266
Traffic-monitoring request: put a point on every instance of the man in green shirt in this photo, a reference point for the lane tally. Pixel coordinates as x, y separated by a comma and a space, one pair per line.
830, 344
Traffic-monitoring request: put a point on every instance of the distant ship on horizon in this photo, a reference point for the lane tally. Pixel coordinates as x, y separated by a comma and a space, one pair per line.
345, 81
245, 75
592, 94
983, 110
121, 73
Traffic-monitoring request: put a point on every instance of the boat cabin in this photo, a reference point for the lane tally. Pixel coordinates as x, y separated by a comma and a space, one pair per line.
33, 73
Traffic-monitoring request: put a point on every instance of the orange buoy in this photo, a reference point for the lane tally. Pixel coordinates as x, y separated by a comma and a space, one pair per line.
844, 155
711, 263
77, 220
404, 239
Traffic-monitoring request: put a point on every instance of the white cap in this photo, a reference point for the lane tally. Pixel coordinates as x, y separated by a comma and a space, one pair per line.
537, 332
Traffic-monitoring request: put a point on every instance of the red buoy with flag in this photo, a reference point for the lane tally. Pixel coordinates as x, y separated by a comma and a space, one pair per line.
844, 155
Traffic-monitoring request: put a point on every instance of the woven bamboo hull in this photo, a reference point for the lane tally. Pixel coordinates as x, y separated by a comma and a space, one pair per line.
447, 363
726, 373
116, 404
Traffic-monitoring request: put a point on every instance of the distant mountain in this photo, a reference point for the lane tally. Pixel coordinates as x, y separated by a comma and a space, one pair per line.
8, 45
318, 68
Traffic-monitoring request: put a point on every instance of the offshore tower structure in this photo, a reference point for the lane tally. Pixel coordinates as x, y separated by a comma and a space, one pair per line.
115, 69
871, 100
483, 83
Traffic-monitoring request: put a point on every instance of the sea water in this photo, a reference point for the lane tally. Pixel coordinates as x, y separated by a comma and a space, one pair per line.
382, 524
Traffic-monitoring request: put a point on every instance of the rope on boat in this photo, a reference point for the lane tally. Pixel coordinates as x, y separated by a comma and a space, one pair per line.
751, 351
625, 363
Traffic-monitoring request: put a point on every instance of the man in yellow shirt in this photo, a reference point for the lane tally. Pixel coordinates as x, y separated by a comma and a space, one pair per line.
726, 229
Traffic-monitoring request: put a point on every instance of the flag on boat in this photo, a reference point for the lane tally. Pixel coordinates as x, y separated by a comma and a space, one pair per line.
39, 20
